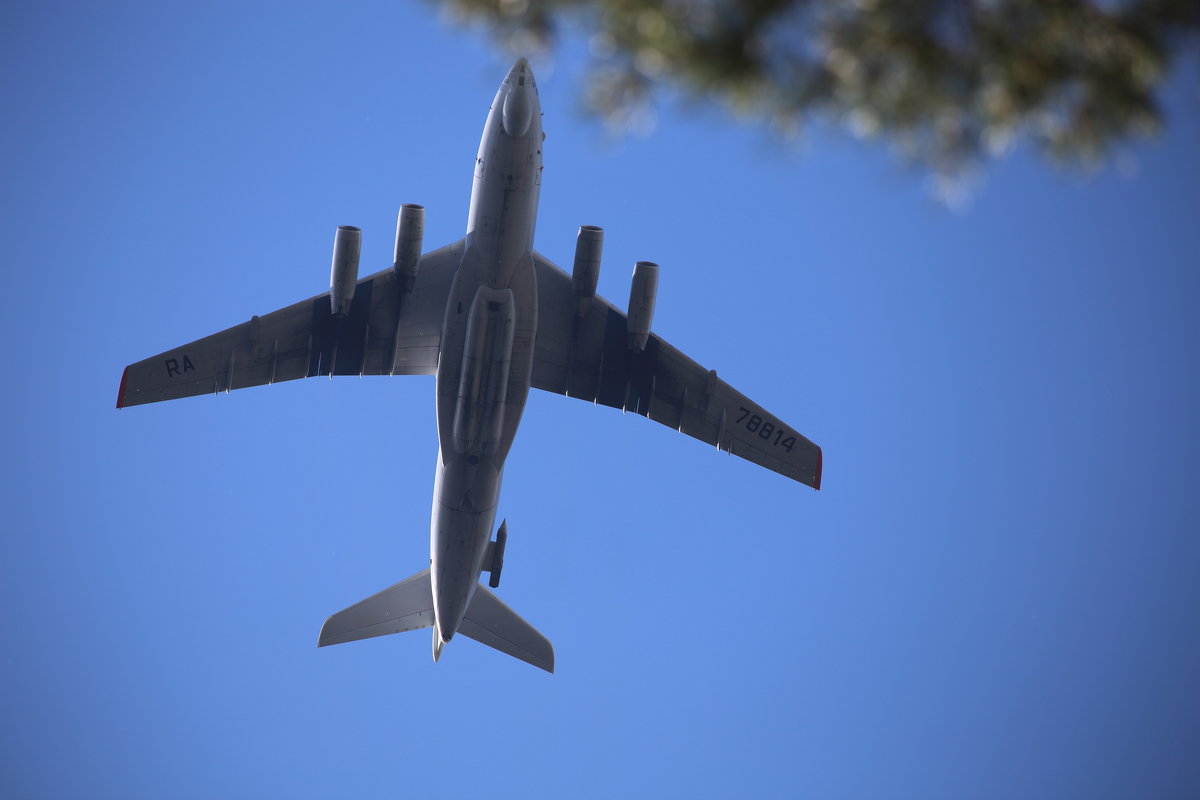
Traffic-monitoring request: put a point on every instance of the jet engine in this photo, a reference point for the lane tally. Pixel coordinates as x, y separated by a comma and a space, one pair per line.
410, 230
343, 274
588, 246
641, 303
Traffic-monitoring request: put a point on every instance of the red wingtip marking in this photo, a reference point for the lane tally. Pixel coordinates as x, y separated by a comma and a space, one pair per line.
817, 481
121, 391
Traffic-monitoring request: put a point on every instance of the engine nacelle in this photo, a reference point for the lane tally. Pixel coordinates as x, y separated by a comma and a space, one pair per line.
410, 230
343, 274
586, 273
641, 303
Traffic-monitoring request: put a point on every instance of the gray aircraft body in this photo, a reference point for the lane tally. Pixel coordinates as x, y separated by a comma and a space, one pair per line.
490, 317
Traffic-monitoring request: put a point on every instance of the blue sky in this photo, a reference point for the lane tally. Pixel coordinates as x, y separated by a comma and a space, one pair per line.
994, 595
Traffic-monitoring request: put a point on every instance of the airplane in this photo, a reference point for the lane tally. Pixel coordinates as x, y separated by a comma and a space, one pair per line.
490, 317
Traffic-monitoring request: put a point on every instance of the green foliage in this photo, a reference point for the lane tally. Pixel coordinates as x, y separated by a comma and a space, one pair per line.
947, 82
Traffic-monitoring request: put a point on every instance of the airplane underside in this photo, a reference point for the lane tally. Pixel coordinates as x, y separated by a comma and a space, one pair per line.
490, 318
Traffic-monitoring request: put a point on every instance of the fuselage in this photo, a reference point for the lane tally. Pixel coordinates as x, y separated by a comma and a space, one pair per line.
487, 340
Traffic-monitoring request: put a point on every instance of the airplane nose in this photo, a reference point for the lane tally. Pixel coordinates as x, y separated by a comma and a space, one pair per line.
521, 75
519, 100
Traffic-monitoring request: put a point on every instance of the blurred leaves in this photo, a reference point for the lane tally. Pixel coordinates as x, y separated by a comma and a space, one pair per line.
948, 83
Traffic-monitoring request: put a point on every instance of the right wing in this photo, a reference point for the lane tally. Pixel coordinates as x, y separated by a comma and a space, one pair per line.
589, 358
385, 333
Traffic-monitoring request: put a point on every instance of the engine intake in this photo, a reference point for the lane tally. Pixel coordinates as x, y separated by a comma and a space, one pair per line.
410, 230
343, 273
642, 293
586, 272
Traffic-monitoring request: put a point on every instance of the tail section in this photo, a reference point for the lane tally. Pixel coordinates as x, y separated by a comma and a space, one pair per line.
404, 607
490, 622
408, 606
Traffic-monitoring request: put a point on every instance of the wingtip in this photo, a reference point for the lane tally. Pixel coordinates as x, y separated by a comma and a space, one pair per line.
817, 477
121, 390
548, 661
322, 641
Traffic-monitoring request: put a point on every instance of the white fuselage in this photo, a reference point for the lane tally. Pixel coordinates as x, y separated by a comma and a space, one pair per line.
486, 359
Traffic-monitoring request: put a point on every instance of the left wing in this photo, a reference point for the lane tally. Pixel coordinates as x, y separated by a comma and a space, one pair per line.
385, 333
589, 358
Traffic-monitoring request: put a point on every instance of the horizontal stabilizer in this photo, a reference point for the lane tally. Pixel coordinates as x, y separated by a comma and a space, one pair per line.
490, 622
404, 607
